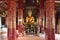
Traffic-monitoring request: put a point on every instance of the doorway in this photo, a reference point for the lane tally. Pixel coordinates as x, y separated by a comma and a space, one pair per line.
29, 29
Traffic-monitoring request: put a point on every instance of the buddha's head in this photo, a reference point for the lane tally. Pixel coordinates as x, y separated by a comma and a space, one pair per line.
29, 13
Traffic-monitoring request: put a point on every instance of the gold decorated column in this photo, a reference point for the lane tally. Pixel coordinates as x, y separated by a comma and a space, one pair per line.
20, 15
50, 20
11, 18
41, 15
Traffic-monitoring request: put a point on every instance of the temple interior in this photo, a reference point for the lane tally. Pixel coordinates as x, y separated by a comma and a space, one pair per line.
30, 19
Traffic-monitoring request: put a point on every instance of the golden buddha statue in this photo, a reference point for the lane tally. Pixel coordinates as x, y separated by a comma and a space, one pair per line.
30, 22
30, 18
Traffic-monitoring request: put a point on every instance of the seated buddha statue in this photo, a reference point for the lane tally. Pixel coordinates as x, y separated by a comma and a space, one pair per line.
30, 18
30, 23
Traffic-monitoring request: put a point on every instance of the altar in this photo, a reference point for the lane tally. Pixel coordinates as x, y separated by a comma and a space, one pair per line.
30, 23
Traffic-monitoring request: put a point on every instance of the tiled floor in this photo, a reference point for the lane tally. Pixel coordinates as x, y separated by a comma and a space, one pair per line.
20, 37
3, 36
29, 37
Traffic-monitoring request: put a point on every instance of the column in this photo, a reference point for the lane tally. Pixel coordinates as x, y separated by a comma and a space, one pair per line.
50, 20
11, 19
41, 15
20, 15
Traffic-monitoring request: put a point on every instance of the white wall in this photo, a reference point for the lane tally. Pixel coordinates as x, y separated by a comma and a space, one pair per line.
0, 22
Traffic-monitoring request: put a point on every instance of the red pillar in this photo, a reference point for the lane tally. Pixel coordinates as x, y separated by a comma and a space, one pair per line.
11, 17
50, 20
41, 15
20, 15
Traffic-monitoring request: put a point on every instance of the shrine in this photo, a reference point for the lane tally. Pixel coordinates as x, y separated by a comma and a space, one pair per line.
25, 18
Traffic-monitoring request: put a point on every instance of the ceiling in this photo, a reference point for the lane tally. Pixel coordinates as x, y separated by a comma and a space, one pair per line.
57, 5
